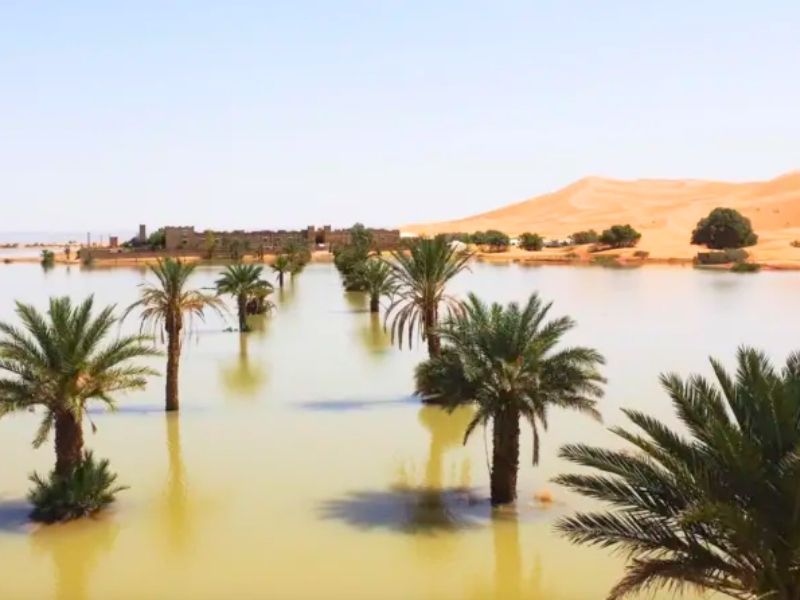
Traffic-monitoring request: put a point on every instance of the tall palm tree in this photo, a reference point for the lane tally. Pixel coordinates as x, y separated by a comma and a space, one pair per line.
376, 278
420, 276
243, 282
714, 508
164, 307
505, 360
61, 360
281, 266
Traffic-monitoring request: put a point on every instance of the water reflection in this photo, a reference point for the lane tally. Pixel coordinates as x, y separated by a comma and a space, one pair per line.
436, 503
374, 337
243, 378
75, 549
356, 301
176, 496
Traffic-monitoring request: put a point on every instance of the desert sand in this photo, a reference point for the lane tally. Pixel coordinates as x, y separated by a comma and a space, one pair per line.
664, 211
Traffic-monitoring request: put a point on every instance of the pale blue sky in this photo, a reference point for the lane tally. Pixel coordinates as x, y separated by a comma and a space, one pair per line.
257, 114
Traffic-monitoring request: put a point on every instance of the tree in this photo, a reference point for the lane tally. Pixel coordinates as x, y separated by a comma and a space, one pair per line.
419, 277
531, 241
724, 228
67, 251
714, 507
48, 258
349, 258
164, 307
243, 282
620, 236
376, 279
589, 236
60, 361
497, 241
157, 240
298, 254
281, 265
210, 244
505, 360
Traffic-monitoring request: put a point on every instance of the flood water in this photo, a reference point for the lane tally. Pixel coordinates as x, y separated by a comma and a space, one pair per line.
301, 467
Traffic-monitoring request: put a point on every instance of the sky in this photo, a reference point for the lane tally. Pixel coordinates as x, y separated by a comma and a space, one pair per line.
284, 114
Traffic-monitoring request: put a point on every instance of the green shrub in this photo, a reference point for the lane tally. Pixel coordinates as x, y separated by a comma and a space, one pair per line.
745, 267
724, 228
90, 488
497, 241
48, 258
620, 236
531, 241
722, 257
605, 260
590, 236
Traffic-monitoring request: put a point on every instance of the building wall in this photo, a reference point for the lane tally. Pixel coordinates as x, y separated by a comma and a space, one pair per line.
186, 238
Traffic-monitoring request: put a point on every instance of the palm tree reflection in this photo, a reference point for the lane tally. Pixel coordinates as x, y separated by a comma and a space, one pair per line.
176, 496
75, 549
244, 378
374, 337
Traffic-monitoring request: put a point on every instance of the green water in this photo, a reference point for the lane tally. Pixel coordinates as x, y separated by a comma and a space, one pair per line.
300, 467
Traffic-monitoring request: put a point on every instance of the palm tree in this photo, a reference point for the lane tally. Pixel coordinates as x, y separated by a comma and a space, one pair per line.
376, 277
243, 282
714, 508
60, 361
504, 360
282, 265
420, 277
164, 306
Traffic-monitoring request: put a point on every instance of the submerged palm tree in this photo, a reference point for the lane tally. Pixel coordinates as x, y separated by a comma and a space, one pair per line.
164, 306
243, 282
506, 361
717, 508
376, 278
60, 361
420, 277
281, 266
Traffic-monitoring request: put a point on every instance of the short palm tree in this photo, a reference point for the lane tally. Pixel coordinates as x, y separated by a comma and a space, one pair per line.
243, 282
164, 306
714, 506
375, 275
281, 266
420, 276
505, 360
60, 361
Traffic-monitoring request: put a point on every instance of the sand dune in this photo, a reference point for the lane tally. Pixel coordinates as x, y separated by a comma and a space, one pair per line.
665, 211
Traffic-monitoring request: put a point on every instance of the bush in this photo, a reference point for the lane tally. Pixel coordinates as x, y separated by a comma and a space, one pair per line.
731, 255
641, 254
796, 244
745, 267
620, 236
589, 236
724, 228
497, 241
531, 241
605, 260
48, 258
90, 488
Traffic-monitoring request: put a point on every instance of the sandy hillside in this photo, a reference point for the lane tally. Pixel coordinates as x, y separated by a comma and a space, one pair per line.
665, 211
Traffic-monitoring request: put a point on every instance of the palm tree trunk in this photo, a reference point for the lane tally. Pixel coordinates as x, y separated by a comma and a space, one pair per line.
374, 303
241, 300
69, 443
505, 457
173, 358
280, 279
434, 343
